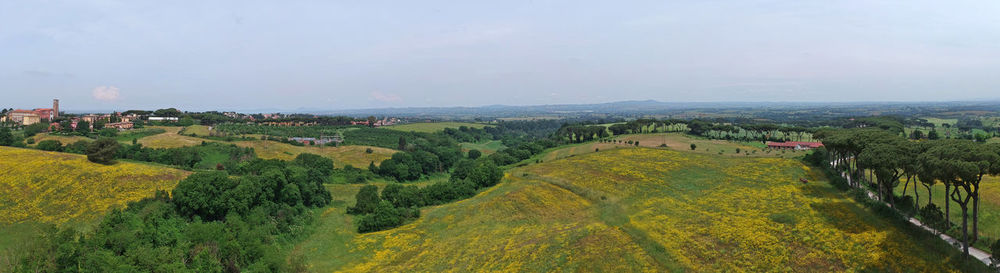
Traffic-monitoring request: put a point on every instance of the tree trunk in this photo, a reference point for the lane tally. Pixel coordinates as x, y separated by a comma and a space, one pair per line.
975, 211
947, 204
916, 198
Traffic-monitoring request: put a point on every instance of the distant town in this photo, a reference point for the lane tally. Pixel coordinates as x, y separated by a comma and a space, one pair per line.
54, 120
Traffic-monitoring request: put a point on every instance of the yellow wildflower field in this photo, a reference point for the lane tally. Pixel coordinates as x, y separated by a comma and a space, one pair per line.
636, 209
50, 187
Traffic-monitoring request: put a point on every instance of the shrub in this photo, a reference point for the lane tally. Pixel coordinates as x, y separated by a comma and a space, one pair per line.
369, 150
474, 154
50, 145
693, 146
933, 217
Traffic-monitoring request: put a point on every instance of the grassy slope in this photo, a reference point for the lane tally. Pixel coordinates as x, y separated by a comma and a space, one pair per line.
634, 209
431, 127
200, 130
38, 187
488, 147
62, 139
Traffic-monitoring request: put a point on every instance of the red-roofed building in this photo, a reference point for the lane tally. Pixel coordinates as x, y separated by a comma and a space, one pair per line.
797, 145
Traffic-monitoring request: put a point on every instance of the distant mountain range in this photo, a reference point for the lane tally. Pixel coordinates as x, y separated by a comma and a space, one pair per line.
619, 107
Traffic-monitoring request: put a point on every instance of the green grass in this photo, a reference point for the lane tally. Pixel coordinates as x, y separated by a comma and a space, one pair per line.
198, 130
431, 127
127, 136
487, 148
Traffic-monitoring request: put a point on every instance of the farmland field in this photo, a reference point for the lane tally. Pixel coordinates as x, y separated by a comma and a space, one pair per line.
171, 139
636, 209
430, 127
350, 154
674, 141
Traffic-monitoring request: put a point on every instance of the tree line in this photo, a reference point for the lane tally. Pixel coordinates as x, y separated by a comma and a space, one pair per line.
887, 158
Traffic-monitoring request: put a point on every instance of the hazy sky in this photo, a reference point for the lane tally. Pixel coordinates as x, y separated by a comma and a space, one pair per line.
233, 55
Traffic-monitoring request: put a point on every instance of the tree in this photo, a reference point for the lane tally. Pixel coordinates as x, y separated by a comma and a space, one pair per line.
384, 216
933, 135
50, 145
693, 146
474, 154
961, 165
202, 194
322, 164
887, 160
402, 144
367, 199
103, 151
6, 137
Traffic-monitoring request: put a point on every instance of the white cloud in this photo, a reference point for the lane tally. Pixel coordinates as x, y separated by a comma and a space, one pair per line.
379, 96
106, 93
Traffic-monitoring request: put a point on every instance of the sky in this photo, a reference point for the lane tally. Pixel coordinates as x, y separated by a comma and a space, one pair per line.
333, 55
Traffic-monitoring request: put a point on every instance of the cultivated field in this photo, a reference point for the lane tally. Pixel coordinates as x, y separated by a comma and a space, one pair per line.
52, 187
171, 139
351, 154
636, 209
674, 141
430, 127
63, 139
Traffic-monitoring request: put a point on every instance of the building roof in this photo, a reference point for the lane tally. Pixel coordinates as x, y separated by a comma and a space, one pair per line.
793, 144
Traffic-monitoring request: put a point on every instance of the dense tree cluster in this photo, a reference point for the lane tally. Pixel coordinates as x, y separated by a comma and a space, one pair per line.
421, 156
520, 152
398, 202
211, 222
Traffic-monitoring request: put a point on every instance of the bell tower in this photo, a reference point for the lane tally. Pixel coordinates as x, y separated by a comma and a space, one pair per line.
55, 108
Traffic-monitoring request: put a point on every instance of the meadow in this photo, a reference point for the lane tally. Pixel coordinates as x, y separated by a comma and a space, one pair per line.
197, 130
54, 187
487, 147
431, 127
636, 209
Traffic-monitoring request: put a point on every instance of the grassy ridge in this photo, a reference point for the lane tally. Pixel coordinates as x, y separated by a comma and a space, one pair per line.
431, 127
638, 209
